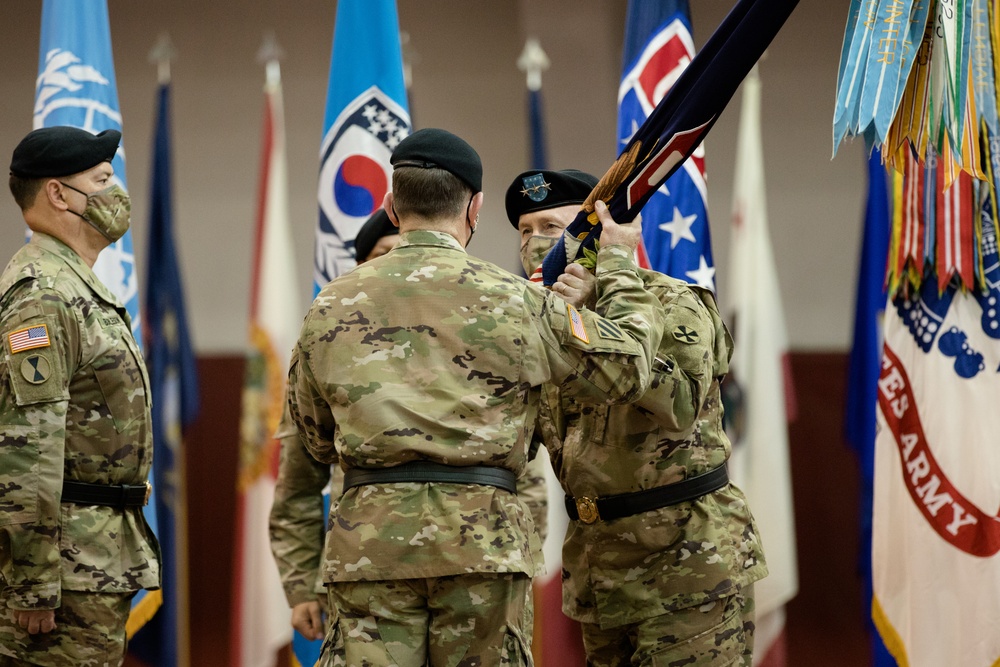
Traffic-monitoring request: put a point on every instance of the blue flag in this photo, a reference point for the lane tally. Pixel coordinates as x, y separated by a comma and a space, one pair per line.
675, 232
366, 117
864, 369
76, 86
174, 384
539, 154
677, 125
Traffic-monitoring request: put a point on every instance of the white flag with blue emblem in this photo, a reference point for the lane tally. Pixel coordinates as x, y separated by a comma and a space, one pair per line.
76, 86
366, 117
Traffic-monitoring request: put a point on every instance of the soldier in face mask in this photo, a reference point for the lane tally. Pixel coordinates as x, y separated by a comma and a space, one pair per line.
661, 551
75, 439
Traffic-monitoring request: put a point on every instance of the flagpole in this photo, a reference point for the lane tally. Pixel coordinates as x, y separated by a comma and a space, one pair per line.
270, 55
161, 55
533, 61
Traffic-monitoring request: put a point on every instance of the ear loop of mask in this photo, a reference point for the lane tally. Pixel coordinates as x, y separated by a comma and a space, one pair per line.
472, 225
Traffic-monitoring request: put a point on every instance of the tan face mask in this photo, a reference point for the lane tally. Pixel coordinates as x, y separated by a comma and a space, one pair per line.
534, 251
108, 211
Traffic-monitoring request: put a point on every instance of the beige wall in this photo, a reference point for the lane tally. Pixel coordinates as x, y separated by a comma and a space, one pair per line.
464, 79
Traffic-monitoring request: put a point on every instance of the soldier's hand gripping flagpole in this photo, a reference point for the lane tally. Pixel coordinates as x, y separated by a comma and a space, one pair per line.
676, 126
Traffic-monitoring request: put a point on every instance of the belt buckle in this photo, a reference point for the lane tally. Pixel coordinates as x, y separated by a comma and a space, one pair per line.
149, 490
586, 508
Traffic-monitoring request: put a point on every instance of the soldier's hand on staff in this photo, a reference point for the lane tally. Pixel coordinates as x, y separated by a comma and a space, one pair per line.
614, 234
43, 620
306, 618
576, 286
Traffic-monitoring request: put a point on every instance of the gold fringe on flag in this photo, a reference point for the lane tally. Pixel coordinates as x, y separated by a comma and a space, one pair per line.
142, 612
612, 179
891, 639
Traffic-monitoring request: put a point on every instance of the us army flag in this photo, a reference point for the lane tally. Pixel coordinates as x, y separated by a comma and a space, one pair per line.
760, 464
262, 620
935, 536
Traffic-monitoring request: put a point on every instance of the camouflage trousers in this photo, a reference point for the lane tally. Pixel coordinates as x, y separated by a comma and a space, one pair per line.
459, 621
715, 634
90, 632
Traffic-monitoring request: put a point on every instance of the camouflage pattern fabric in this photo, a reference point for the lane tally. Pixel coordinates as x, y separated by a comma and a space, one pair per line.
474, 619
90, 632
74, 404
427, 353
297, 524
635, 568
719, 633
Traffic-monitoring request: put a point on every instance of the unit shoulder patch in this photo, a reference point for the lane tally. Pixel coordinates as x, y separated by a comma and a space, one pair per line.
36, 369
609, 330
686, 334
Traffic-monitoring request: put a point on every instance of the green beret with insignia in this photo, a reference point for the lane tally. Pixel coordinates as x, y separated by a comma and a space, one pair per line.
62, 151
542, 189
433, 148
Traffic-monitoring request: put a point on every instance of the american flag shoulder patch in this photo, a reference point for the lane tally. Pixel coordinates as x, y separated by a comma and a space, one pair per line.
576, 326
29, 338
609, 330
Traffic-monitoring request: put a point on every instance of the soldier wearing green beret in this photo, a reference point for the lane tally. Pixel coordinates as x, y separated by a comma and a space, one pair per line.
75, 439
420, 373
661, 551
296, 518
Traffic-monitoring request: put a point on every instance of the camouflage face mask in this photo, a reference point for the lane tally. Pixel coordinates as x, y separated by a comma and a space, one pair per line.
108, 211
534, 251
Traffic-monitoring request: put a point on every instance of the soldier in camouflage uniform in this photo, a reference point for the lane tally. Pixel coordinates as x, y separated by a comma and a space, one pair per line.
75, 440
296, 523
420, 373
661, 553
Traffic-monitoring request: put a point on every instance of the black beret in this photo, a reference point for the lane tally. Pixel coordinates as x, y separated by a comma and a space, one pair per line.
61, 151
541, 189
432, 148
375, 228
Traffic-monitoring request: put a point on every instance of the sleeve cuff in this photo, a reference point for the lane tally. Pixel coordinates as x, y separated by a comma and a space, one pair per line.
615, 258
33, 597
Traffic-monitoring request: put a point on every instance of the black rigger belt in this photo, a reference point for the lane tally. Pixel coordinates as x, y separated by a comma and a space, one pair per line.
427, 471
590, 510
108, 495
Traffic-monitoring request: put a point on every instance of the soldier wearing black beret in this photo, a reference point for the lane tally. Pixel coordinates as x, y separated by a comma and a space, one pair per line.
376, 237
76, 443
673, 433
419, 373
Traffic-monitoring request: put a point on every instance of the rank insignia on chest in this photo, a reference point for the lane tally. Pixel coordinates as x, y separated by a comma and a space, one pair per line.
28, 338
576, 326
686, 335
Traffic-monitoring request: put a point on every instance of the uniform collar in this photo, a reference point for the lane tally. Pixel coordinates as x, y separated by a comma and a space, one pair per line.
426, 237
75, 262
